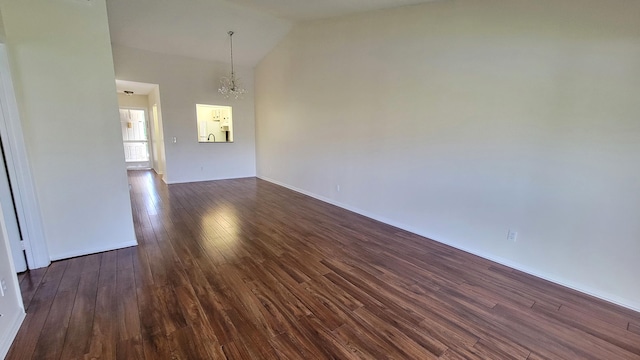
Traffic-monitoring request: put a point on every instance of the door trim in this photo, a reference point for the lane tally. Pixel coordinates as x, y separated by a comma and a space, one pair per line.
27, 205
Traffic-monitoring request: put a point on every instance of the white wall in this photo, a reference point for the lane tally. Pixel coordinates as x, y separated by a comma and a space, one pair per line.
11, 306
62, 68
183, 83
462, 119
133, 101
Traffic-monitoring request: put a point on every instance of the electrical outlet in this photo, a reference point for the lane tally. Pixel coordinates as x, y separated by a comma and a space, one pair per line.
3, 287
512, 235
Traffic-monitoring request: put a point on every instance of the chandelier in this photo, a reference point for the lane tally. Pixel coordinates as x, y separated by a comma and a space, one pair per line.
229, 86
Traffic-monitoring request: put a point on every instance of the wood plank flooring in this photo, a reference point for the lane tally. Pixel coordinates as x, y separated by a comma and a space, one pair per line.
244, 269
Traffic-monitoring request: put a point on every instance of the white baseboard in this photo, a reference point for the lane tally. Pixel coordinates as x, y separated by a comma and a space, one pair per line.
6, 341
95, 250
627, 303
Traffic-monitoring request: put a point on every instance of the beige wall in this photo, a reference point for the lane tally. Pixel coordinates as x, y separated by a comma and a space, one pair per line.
62, 69
460, 120
2, 34
133, 101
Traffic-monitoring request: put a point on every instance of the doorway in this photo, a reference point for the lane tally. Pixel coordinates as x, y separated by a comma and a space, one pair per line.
135, 138
142, 96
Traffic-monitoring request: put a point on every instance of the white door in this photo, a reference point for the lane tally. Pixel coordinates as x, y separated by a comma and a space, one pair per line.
10, 217
135, 138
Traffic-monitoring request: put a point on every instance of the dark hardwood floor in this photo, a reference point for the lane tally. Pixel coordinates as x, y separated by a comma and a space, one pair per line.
244, 269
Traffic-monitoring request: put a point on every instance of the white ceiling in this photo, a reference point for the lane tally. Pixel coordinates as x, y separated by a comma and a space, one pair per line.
198, 28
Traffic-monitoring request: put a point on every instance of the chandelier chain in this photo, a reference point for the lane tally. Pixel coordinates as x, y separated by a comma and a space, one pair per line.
229, 86
232, 73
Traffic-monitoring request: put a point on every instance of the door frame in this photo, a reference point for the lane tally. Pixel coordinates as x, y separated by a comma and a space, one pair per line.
10, 214
149, 132
26, 199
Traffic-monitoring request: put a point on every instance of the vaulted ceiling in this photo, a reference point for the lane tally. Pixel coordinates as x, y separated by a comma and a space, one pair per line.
198, 28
